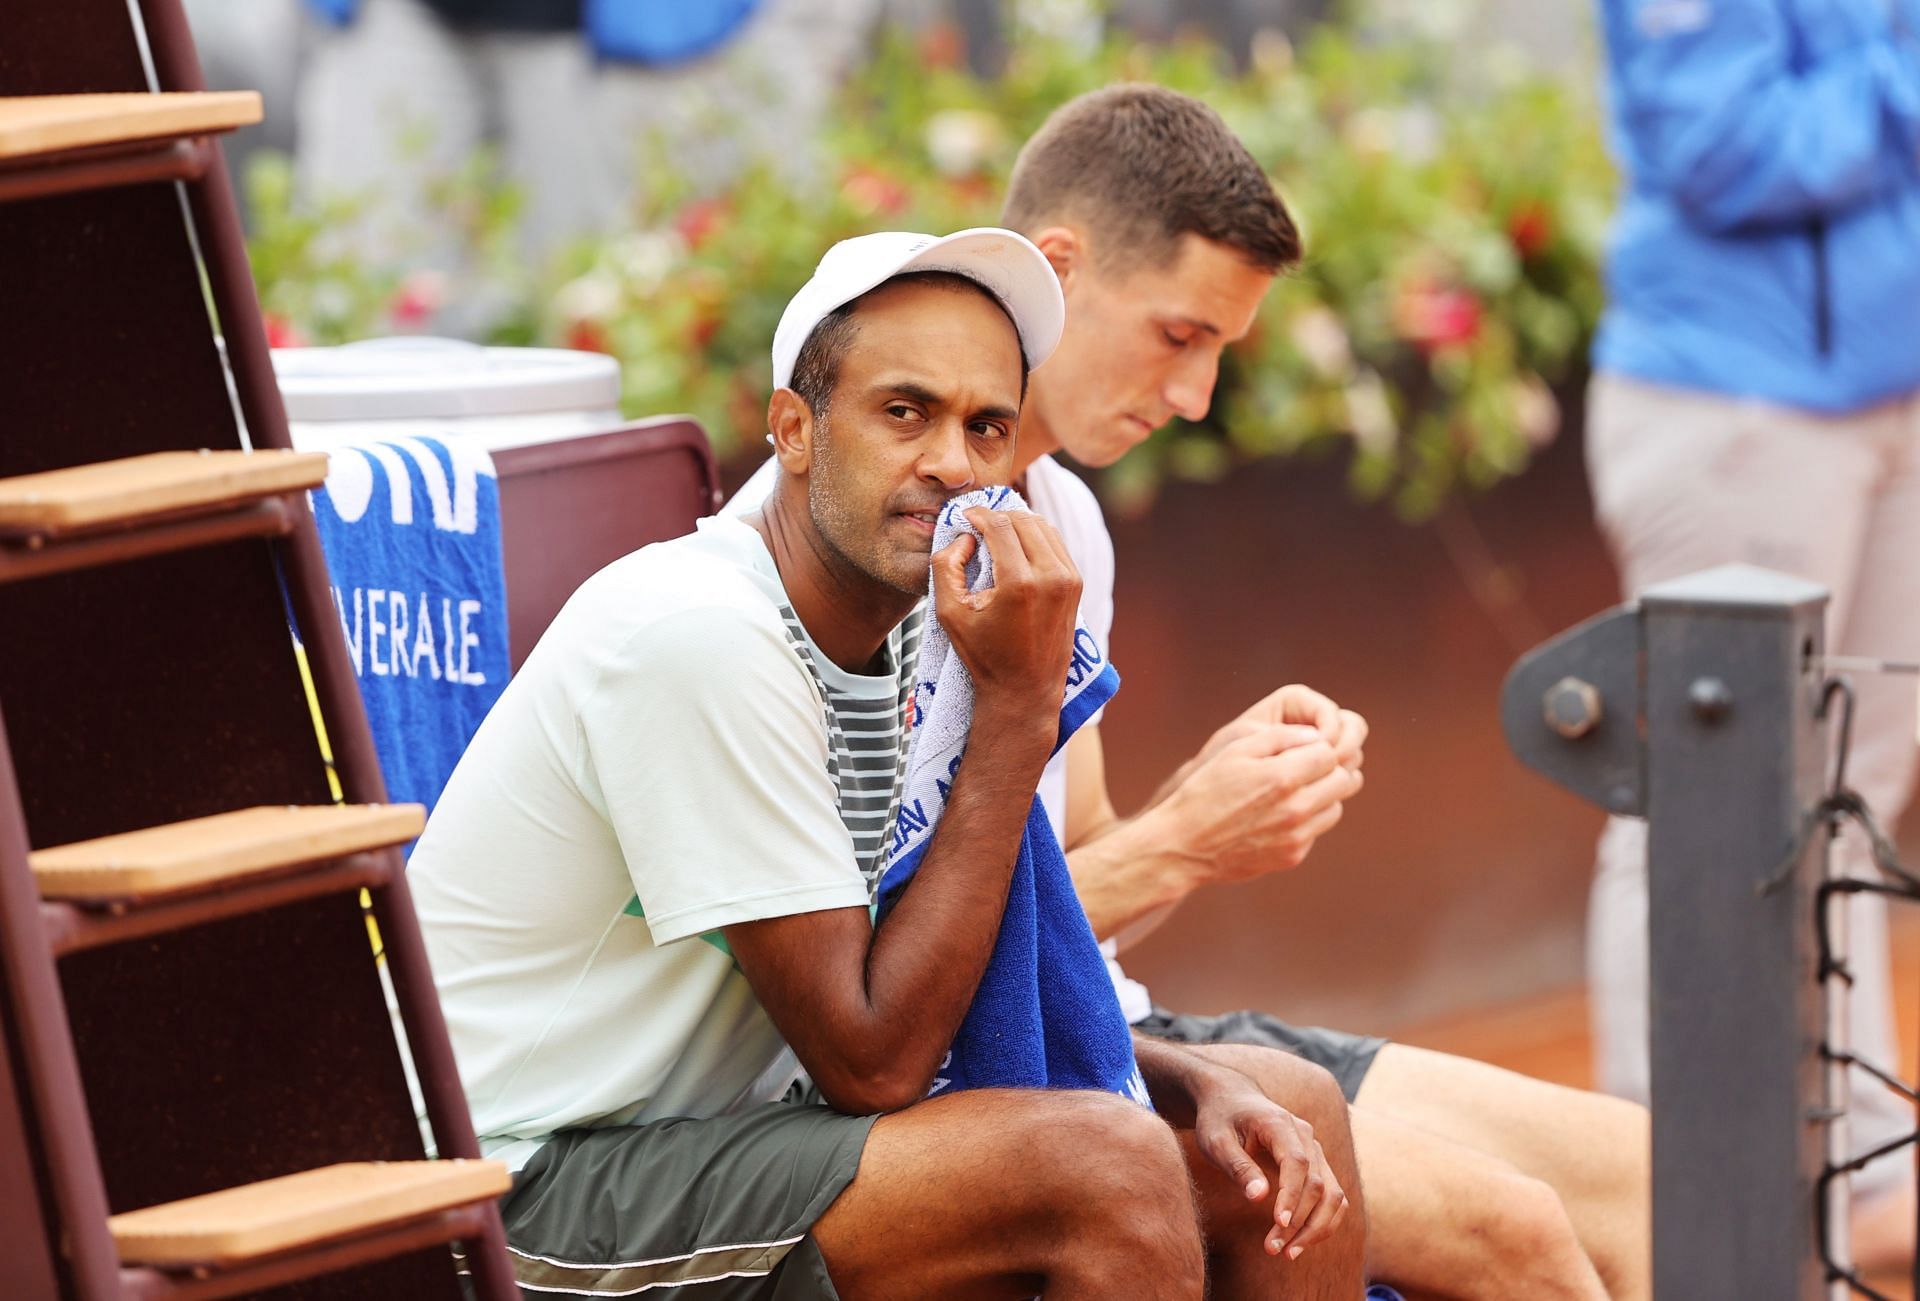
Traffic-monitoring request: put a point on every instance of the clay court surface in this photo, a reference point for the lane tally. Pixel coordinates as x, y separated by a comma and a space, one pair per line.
1547, 1036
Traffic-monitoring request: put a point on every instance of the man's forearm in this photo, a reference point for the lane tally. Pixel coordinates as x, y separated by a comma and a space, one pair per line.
1173, 1077
1132, 868
925, 963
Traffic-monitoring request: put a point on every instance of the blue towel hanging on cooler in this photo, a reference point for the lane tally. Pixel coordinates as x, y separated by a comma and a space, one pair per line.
411, 531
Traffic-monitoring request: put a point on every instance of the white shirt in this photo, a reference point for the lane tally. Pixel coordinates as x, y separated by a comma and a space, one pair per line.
1061, 496
657, 770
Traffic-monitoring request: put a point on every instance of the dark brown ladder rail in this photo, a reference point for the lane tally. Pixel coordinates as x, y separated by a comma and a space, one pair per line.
202, 1091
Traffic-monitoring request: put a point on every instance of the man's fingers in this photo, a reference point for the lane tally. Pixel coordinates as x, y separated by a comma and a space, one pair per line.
1320, 823
1354, 727
1044, 548
1264, 740
1291, 1171
1331, 787
950, 575
1010, 565
1300, 704
1299, 1196
1300, 766
1325, 1217
1224, 1150
1352, 739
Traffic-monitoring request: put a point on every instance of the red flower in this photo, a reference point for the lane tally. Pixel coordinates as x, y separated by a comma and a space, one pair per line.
1433, 316
1530, 227
873, 192
699, 219
282, 333
418, 298
942, 46
972, 191
587, 336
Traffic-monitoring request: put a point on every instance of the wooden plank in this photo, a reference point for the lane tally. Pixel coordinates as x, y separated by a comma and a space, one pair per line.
36, 125
160, 483
298, 1210
201, 851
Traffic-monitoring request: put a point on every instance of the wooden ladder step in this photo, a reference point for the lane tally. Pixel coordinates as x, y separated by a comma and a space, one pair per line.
202, 852
124, 493
34, 126
240, 1224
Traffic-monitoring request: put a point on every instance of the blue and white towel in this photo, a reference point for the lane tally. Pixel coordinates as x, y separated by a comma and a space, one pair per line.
411, 531
1045, 1014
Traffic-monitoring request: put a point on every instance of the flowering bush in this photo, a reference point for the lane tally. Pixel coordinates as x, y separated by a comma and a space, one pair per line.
1453, 228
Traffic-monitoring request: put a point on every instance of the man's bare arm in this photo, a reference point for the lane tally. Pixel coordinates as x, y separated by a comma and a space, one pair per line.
1123, 869
870, 1014
1253, 801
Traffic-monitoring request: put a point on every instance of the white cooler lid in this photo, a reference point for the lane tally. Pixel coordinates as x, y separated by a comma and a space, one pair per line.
424, 378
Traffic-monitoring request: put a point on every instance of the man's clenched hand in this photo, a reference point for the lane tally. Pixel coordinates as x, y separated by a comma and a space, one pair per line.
1267, 786
1016, 637
1341, 728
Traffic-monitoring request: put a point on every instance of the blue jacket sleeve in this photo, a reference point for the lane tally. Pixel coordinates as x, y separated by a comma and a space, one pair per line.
336, 12
1717, 115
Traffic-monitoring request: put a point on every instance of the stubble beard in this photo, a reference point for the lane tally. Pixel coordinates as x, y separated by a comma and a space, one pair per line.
854, 542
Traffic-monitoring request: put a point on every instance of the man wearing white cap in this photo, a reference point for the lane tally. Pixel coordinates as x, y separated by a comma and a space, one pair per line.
646, 890
1166, 235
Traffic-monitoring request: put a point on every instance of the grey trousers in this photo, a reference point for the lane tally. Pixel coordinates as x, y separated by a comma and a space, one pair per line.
1683, 481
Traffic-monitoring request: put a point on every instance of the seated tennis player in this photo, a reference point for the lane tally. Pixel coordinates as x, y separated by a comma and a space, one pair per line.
646, 890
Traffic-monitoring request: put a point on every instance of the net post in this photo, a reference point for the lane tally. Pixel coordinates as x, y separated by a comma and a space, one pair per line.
1697, 707
1736, 756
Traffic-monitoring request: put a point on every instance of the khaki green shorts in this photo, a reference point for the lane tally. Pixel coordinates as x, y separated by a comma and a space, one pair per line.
696, 1210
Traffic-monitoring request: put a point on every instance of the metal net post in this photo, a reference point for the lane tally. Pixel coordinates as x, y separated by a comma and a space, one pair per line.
1735, 756
1698, 708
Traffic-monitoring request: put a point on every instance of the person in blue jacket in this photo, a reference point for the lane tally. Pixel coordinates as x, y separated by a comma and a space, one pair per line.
1757, 399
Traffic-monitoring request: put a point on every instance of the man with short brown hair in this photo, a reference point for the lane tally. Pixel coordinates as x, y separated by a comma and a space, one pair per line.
1166, 235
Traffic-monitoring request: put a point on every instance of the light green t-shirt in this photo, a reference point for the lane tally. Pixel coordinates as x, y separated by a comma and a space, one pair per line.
673, 758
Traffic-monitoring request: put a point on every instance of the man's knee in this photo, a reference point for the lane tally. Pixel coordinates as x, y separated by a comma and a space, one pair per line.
1122, 1187
1313, 1094
1071, 1189
1112, 1149
1527, 1221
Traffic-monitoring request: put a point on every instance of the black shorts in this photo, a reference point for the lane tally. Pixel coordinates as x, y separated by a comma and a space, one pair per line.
1346, 1056
714, 1210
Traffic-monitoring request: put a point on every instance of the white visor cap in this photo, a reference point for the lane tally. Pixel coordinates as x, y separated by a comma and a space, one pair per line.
1002, 261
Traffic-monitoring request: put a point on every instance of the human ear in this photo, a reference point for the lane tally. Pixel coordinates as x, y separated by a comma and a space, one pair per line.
790, 429
1065, 249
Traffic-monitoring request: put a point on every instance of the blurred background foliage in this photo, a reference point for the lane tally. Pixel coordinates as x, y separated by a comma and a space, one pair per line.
1453, 201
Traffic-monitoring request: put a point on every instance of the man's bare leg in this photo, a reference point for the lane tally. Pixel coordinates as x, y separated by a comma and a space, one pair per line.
1452, 1222
1594, 1151
1442, 1220
1238, 1264
1014, 1193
